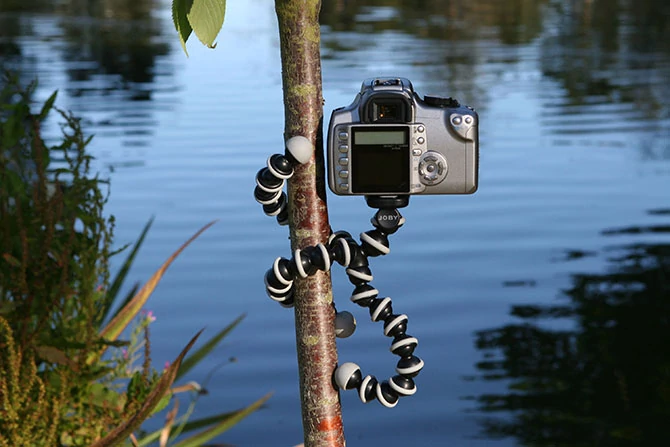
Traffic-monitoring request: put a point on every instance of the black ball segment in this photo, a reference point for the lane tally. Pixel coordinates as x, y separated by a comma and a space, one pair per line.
266, 197
409, 366
380, 309
358, 258
387, 395
267, 181
282, 270
395, 325
280, 166
375, 243
403, 386
274, 208
359, 275
271, 280
367, 391
364, 295
387, 220
404, 345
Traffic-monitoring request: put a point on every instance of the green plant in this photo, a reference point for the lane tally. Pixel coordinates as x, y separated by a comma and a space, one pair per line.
64, 378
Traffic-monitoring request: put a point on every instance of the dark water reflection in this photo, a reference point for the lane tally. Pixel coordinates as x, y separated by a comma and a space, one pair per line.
513, 22
109, 53
575, 148
593, 368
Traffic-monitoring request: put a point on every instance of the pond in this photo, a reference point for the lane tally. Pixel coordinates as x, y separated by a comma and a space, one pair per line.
542, 302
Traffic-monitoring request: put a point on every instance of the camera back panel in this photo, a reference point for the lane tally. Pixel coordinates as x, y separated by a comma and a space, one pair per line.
432, 150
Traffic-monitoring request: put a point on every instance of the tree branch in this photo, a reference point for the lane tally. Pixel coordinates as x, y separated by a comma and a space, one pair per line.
308, 221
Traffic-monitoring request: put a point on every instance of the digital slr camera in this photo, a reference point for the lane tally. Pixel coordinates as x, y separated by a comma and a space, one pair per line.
390, 142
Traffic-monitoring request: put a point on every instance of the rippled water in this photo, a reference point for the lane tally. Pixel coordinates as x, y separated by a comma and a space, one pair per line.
575, 160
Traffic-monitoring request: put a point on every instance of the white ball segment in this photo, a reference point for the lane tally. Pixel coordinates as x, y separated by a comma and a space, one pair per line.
348, 376
300, 148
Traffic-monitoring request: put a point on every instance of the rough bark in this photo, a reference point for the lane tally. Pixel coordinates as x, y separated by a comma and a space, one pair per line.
308, 222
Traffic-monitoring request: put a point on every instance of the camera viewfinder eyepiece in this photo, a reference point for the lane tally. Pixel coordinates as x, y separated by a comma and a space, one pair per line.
387, 108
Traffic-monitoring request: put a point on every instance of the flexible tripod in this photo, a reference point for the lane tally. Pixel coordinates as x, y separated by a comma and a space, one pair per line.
343, 249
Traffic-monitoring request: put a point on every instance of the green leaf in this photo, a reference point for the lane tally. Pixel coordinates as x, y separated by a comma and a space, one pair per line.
101, 396
207, 421
228, 421
180, 9
202, 352
206, 19
129, 296
55, 355
46, 108
160, 406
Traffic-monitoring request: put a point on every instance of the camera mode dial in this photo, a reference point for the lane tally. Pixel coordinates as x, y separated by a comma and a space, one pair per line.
432, 168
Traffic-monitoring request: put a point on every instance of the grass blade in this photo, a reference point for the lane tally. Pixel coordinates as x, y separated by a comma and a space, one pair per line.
228, 420
125, 315
202, 352
129, 296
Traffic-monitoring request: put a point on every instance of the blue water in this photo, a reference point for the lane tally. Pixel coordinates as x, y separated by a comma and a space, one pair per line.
561, 161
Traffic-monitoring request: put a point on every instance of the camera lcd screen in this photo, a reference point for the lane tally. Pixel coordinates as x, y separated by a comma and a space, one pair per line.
380, 160
381, 137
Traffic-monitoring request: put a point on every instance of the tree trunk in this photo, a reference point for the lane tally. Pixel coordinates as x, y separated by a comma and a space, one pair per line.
308, 222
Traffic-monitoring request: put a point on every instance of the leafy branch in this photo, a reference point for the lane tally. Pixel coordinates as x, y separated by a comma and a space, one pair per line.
203, 17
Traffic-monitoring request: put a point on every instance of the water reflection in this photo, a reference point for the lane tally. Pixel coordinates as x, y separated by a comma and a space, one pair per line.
103, 54
513, 22
595, 368
108, 37
114, 38
608, 49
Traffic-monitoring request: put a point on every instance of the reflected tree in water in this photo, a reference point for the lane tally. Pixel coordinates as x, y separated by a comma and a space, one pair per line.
118, 39
514, 21
448, 34
609, 49
594, 370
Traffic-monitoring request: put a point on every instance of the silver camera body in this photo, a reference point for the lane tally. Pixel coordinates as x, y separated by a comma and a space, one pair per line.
390, 142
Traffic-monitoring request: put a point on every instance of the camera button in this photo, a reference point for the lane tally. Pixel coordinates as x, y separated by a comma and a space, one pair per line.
416, 152
343, 135
343, 174
344, 161
420, 129
432, 168
343, 148
468, 120
457, 120
421, 140
344, 186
